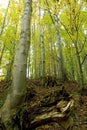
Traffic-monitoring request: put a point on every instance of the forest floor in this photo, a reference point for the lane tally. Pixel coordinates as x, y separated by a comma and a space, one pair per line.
80, 117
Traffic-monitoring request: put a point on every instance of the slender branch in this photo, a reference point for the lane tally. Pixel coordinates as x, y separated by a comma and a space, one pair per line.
65, 29
3, 24
55, 58
84, 59
58, 20
82, 46
2, 51
50, 12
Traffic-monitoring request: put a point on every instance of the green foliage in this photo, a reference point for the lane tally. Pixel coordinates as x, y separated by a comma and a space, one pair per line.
72, 27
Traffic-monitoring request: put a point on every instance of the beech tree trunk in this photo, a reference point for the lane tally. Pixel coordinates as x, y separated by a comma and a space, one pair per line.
80, 78
62, 74
17, 90
43, 53
35, 53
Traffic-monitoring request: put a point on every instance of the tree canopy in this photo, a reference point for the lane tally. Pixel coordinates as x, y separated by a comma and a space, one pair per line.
56, 25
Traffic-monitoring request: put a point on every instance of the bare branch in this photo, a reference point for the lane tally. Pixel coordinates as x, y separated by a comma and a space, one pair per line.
84, 59
50, 12
3, 24
83, 45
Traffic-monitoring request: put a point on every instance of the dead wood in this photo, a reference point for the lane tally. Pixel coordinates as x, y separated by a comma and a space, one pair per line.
54, 107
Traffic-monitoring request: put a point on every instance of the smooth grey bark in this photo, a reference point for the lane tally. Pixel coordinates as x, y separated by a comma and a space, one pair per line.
16, 94
81, 79
28, 65
62, 74
55, 64
35, 54
43, 53
43, 56
53, 61
39, 29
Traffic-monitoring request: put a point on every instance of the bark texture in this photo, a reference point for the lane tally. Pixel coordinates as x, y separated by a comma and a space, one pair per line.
17, 90
55, 107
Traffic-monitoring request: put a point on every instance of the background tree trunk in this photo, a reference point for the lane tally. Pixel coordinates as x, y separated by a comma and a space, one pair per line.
43, 55
35, 53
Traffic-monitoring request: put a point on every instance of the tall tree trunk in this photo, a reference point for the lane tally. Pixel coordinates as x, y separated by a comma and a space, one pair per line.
35, 53
28, 65
55, 64
16, 94
39, 39
43, 55
81, 79
60, 54
75, 32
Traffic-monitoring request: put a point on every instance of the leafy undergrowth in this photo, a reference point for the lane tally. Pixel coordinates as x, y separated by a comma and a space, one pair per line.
37, 93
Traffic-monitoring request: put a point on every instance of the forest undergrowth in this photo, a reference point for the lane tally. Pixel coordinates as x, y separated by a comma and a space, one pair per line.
35, 93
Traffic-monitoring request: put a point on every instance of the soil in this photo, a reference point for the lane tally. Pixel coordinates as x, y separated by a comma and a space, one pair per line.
38, 92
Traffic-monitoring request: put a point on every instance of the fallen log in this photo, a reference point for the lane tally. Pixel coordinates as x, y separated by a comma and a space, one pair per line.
54, 107
53, 114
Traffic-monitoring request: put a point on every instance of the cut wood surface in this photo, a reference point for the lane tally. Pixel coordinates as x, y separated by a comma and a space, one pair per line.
53, 107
